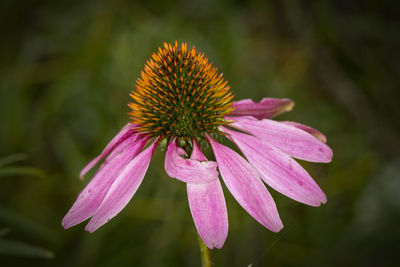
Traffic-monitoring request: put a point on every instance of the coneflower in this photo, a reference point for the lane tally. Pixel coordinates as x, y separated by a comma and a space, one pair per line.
182, 102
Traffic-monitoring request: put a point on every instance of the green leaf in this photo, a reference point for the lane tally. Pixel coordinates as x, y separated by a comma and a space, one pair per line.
22, 249
27, 226
12, 159
20, 170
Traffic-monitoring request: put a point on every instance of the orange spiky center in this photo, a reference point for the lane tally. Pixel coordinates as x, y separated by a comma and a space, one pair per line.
180, 94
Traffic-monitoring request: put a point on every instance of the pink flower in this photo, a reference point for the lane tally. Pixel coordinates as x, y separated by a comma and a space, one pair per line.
268, 147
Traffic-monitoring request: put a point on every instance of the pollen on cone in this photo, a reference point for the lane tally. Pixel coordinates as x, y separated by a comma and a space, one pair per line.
180, 94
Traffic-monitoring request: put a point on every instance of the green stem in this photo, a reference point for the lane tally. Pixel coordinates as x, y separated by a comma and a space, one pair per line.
205, 254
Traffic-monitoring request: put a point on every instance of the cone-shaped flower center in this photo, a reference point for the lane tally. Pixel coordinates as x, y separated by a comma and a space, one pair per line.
180, 94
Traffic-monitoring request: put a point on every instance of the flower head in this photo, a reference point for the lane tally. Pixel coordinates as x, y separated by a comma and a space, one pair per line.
182, 101
180, 94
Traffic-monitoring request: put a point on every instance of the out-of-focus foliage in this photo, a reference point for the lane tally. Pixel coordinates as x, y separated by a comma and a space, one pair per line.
66, 70
11, 221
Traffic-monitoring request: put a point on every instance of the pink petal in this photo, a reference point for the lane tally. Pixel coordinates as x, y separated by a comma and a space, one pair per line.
266, 108
124, 145
246, 186
320, 136
123, 189
208, 208
293, 141
90, 198
121, 148
197, 154
278, 169
188, 170
123, 134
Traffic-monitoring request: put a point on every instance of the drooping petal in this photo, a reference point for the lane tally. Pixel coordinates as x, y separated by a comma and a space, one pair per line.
123, 189
266, 108
246, 186
208, 207
121, 148
188, 170
293, 141
123, 134
320, 136
197, 154
278, 169
125, 144
92, 195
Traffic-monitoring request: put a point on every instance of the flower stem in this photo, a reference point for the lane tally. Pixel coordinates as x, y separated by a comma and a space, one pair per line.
205, 254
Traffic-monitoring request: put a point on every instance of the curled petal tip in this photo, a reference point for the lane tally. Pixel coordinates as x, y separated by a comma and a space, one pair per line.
189, 170
285, 105
288, 106
317, 134
266, 108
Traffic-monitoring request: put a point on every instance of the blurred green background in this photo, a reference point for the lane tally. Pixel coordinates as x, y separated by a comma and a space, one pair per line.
67, 68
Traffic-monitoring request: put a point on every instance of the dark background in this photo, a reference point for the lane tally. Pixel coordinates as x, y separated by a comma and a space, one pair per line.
67, 68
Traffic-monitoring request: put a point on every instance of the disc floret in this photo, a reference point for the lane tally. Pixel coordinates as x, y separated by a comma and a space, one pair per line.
180, 94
